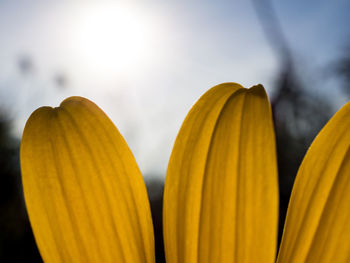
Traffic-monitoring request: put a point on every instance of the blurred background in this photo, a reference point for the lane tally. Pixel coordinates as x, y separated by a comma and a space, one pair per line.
146, 62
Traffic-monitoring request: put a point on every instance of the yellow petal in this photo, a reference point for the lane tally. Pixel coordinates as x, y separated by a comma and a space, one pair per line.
221, 188
317, 226
85, 195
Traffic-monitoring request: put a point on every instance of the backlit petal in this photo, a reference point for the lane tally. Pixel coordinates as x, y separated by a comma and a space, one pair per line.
317, 227
85, 195
221, 189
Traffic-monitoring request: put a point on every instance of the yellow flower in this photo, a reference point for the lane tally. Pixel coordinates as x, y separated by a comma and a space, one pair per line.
87, 201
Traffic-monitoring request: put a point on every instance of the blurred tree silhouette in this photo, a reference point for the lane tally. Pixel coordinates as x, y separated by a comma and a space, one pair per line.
17, 242
298, 114
298, 117
16, 238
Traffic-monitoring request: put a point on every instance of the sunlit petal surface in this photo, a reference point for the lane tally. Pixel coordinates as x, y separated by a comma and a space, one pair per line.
317, 227
85, 195
221, 189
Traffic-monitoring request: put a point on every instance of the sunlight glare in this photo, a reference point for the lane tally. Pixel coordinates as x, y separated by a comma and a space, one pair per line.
113, 38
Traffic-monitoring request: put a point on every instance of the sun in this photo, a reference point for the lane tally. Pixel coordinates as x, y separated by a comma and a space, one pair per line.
113, 38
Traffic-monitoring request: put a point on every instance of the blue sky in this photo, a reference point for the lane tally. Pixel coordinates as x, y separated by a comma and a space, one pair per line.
173, 51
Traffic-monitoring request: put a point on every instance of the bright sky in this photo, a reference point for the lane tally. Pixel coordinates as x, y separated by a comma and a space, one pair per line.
146, 62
